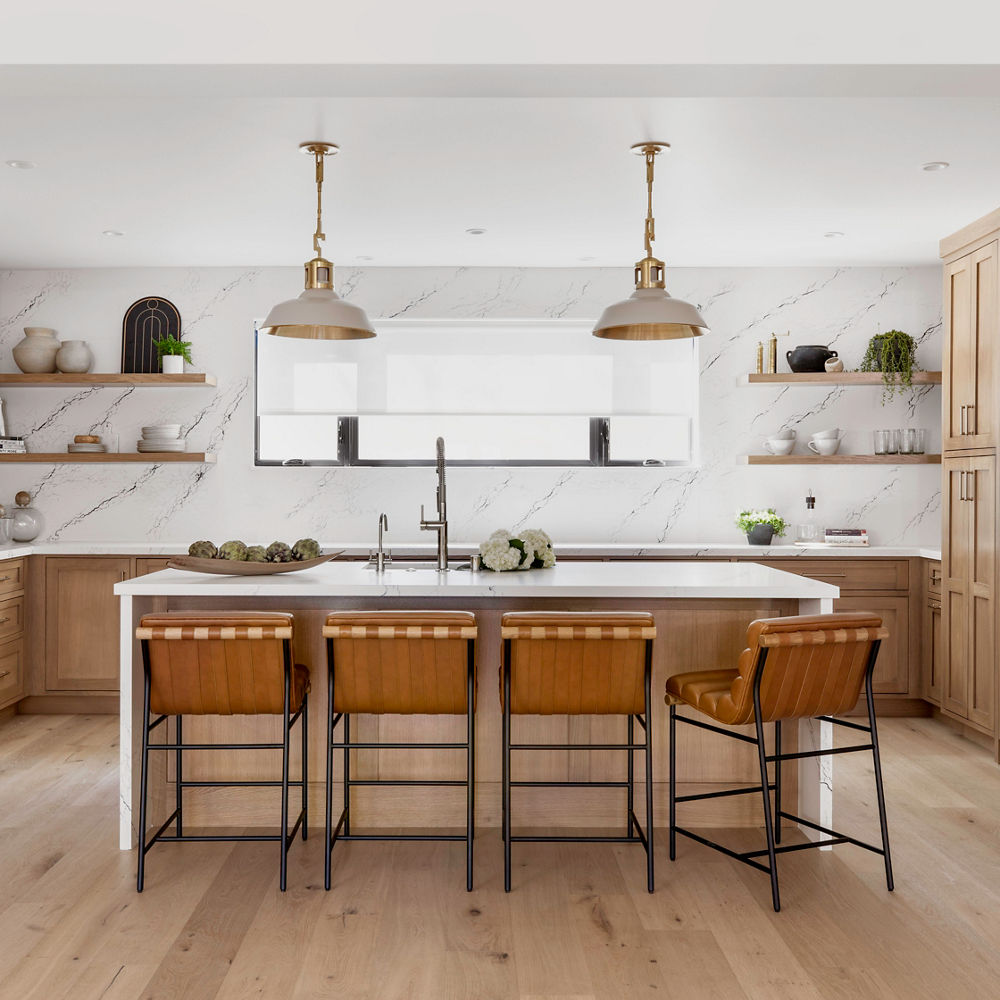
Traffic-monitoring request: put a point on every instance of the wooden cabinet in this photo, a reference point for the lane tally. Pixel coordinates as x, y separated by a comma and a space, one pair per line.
968, 606
971, 319
932, 654
82, 623
150, 564
12, 575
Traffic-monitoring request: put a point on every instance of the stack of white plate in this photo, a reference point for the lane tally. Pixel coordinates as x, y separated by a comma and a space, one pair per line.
162, 437
84, 449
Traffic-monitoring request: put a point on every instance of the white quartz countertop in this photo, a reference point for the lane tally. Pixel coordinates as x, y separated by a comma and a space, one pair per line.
745, 581
595, 550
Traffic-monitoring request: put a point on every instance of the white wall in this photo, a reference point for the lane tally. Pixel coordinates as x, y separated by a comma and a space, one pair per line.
840, 307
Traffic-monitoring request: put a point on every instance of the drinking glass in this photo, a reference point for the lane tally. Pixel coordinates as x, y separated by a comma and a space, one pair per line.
919, 439
907, 439
881, 442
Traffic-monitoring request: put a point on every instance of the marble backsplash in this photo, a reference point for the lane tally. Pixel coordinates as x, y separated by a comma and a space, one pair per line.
841, 307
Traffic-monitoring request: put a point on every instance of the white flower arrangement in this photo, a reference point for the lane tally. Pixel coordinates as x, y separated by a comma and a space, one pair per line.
504, 550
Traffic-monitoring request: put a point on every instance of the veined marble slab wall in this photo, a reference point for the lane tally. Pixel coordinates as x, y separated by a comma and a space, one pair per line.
840, 307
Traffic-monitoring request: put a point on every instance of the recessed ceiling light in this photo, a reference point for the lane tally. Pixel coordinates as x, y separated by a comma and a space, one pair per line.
475, 232
833, 235
111, 233
21, 164
936, 165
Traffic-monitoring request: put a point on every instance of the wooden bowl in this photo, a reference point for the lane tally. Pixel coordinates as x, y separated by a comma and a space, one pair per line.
230, 567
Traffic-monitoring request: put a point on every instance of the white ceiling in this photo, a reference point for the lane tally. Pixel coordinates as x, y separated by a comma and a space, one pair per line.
199, 180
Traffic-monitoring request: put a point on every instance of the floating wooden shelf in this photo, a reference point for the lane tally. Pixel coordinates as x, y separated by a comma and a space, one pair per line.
834, 378
90, 457
108, 378
840, 460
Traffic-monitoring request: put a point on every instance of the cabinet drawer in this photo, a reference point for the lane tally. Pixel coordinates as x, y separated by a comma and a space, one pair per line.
850, 574
11, 576
11, 617
932, 577
11, 671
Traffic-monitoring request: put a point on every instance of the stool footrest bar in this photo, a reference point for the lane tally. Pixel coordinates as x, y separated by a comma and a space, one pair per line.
832, 833
723, 794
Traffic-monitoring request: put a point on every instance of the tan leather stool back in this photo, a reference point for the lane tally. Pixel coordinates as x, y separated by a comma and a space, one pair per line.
401, 662
219, 663
815, 666
577, 663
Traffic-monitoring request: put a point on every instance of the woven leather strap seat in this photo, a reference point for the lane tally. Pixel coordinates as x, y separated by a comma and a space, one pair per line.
220, 663
577, 663
401, 662
815, 666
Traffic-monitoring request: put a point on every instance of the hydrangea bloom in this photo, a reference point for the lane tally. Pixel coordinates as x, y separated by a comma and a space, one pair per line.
505, 551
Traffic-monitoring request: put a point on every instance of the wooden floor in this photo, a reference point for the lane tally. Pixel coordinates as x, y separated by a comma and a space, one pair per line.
579, 924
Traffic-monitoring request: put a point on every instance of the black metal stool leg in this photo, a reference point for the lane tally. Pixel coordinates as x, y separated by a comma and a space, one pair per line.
304, 723
649, 768
673, 782
766, 794
329, 777
347, 775
878, 773
178, 779
777, 781
286, 743
143, 783
470, 790
630, 804
506, 767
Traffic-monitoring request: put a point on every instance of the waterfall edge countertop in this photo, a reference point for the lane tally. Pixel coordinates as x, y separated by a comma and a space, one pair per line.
606, 580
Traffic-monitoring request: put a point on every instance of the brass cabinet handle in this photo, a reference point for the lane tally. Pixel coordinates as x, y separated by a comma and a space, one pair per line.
4, 674
970, 419
961, 422
935, 576
971, 495
826, 576
4, 579
934, 605
961, 482
3, 621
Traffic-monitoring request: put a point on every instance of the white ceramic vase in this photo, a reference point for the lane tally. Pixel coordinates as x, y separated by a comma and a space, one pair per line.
172, 364
36, 354
74, 357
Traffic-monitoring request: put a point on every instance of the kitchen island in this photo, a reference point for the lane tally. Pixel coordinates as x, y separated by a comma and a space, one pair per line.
701, 609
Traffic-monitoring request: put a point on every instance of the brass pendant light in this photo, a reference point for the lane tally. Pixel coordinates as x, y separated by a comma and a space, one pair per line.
319, 313
649, 313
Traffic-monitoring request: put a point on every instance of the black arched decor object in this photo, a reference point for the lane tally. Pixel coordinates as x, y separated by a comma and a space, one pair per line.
146, 321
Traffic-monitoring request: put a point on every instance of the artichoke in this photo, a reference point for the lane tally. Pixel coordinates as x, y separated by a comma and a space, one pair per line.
306, 548
235, 550
256, 553
279, 552
203, 550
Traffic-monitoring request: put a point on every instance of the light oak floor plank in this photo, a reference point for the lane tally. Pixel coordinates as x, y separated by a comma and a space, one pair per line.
578, 925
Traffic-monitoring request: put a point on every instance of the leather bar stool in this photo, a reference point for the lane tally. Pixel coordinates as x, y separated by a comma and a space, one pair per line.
221, 663
810, 666
399, 663
579, 663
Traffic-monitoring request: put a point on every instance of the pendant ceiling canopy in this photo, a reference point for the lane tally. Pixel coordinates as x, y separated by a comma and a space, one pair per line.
649, 313
319, 313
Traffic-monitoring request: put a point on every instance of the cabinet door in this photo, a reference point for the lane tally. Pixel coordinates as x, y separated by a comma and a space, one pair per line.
982, 665
152, 564
891, 674
972, 323
933, 658
956, 570
82, 623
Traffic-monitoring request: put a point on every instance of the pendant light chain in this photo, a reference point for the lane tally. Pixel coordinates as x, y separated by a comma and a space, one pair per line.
650, 152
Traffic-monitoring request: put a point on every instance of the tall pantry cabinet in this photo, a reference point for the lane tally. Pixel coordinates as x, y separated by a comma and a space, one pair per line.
969, 683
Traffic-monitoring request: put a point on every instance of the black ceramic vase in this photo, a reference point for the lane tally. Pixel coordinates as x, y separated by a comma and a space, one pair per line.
809, 358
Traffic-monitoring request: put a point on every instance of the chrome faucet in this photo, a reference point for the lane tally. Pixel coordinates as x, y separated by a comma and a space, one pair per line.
441, 524
382, 556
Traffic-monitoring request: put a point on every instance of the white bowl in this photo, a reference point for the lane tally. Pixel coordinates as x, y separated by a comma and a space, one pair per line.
832, 434
162, 431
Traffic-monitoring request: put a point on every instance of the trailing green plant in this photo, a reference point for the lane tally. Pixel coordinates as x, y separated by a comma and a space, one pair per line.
172, 345
747, 519
892, 353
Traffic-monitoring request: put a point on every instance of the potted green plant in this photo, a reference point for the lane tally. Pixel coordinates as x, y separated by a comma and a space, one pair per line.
760, 526
892, 353
173, 352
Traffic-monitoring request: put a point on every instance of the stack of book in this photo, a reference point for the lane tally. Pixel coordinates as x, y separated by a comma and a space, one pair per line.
13, 446
846, 536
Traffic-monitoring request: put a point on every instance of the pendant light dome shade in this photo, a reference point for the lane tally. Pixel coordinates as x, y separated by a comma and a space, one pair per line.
650, 313
319, 313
